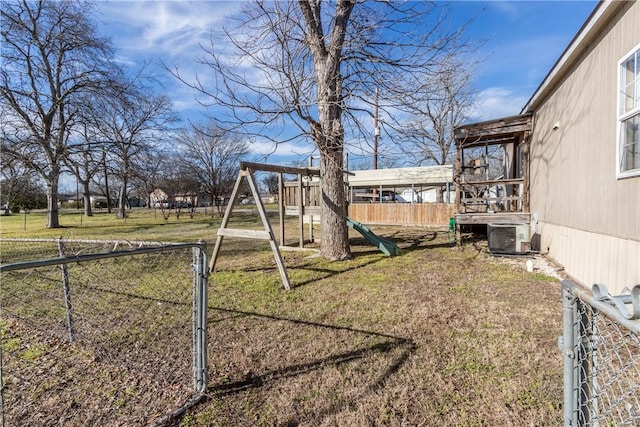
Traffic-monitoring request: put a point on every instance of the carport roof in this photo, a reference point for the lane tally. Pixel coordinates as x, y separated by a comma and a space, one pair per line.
421, 175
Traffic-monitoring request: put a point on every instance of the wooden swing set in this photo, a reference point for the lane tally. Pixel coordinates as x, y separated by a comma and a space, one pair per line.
246, 172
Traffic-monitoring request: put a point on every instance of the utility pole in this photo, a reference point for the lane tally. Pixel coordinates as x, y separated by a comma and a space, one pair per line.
376, 133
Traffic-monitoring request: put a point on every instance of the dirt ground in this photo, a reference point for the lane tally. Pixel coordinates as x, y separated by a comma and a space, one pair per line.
438, 336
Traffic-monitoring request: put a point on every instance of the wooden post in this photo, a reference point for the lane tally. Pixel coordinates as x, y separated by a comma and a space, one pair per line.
267, 226
300, 211
459, 191
458, 178
526, 174
267, 234
225, 220
281, 206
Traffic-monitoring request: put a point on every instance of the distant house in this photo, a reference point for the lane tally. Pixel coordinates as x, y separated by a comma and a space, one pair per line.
137, 202
573, 156
161, 198
67, 199
100, 201
157, 196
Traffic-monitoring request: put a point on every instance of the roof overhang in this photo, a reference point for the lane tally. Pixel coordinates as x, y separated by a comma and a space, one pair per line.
497, 131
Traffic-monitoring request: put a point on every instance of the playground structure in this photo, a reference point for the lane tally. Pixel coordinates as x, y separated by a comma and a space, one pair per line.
387, 247
246, 172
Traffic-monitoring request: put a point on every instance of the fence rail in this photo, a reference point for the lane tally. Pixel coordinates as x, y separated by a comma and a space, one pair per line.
100, 332
601, 350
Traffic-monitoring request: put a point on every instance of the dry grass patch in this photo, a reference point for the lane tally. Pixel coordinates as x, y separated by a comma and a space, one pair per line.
439, 336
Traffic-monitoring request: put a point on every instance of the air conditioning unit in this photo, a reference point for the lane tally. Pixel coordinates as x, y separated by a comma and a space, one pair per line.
509, 238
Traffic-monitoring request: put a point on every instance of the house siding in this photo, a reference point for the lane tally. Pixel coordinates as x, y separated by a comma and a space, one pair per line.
587, 219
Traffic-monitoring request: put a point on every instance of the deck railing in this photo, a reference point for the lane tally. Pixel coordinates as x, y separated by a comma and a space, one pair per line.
502, 195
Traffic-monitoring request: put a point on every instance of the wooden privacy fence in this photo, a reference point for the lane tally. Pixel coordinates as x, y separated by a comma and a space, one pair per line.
433, 214
428, 214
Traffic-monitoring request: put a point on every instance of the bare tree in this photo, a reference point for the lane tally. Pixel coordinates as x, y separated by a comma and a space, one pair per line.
271, 183
428, 136
133, 124
102, 176
179, 184
14, 179
52, 58
22, 192
84, 161
314, 66
212, 155
149, 178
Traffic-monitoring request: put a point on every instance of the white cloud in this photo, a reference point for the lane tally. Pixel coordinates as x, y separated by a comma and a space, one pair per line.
496, 102
269, 148
165, 28
168, 31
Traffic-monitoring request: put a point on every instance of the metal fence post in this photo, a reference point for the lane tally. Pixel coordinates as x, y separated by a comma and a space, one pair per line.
594, 342
601, 349
567, 346
201, 272
584, 372
66, 290
1, 385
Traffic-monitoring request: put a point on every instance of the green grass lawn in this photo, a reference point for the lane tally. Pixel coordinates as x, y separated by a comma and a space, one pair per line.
140, 224
438, 336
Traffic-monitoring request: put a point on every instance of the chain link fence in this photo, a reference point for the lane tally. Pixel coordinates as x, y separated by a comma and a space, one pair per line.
601, 349
100, 332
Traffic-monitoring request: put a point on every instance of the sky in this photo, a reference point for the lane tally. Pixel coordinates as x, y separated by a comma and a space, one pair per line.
521, 42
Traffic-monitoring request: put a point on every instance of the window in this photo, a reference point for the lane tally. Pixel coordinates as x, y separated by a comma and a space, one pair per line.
629, 115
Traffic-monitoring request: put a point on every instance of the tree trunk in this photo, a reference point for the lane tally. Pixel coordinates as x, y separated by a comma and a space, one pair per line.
87, 198
106, 186
52, 203
334, 244
327, 131
122, 200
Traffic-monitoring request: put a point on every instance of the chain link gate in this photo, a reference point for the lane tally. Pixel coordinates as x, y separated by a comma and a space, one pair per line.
106, 333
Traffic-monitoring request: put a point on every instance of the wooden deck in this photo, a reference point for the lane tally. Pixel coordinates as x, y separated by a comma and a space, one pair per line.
497, 194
